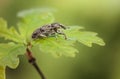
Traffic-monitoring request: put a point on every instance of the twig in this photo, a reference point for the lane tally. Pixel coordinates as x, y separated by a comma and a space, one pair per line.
32, 60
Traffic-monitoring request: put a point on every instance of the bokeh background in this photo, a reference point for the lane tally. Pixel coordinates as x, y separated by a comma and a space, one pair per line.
101, 16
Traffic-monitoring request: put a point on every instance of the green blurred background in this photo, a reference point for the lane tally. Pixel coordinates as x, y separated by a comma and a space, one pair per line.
101, 16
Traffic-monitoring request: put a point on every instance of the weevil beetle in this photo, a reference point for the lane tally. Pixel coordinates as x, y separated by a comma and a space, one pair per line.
49, 30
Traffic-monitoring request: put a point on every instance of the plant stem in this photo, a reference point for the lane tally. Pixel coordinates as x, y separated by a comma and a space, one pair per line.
32, 60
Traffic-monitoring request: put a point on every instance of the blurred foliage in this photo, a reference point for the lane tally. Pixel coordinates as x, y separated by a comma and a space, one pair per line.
101, 16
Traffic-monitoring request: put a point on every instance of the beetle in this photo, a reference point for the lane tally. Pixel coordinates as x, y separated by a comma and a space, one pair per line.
49, 30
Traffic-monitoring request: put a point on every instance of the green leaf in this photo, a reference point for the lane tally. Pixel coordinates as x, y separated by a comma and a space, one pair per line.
9, 54
31, 20
85, 37
10, 33
59, 46
2, 72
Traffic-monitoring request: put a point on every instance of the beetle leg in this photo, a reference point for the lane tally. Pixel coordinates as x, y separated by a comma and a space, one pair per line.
41, 35
61, 33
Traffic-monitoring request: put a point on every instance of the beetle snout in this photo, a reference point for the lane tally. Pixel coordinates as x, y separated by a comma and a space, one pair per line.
34, 35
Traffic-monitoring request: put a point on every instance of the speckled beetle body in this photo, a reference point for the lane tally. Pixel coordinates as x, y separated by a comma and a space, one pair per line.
48, 30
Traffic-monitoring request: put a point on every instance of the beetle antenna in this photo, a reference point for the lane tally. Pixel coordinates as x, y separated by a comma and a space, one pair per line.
63, 26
